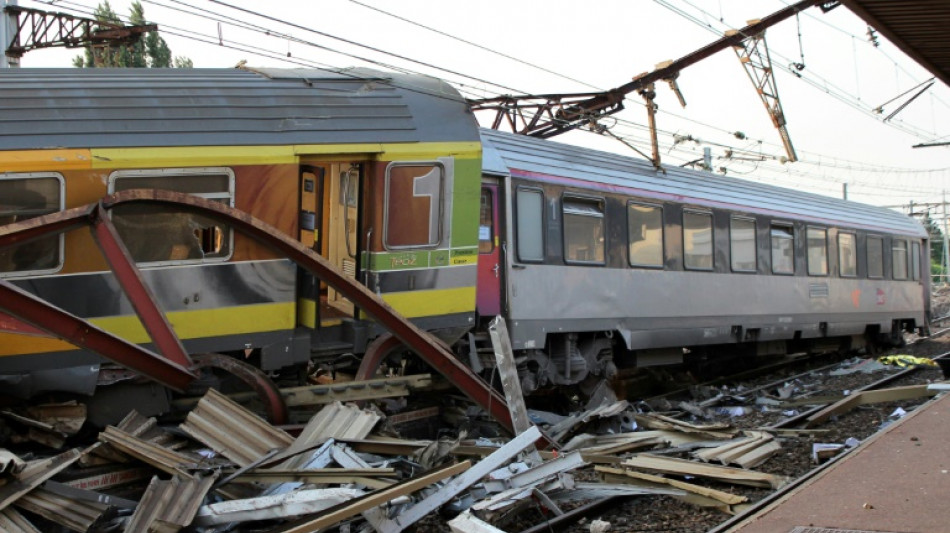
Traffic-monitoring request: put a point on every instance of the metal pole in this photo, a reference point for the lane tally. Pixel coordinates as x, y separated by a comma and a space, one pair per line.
844, 191
7, 31
946, 248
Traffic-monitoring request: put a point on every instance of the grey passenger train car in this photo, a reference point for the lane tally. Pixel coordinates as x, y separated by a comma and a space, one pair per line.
605, 261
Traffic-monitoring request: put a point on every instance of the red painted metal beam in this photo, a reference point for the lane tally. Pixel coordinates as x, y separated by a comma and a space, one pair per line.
141, 297
41, 226
15, 325
415, 339
81, 333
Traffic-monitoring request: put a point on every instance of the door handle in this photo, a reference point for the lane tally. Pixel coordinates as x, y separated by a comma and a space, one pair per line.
495, 269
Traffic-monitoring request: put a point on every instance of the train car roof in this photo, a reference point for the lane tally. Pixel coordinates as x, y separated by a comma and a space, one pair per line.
553, 162
88, 108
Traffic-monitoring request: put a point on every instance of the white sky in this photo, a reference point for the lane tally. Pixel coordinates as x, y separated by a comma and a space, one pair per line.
603, 44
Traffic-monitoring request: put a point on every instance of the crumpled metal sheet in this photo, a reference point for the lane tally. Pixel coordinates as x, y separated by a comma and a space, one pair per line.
173, 503
11, 521
233, 431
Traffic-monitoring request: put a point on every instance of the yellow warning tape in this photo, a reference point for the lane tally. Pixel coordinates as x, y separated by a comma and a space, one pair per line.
903, 361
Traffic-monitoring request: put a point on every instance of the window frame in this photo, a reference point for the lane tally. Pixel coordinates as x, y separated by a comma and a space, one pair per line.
867, 254
712, 239
602, 202
173, 172
518, 226
755, 245
854, 250
915, 262
61, 238
894, 242
791, 237
440, 214
808, 249
630, 262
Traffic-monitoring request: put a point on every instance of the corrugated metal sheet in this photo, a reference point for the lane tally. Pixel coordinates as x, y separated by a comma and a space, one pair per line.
335, 421
79, 108
174, 503
571, 165
917, 27
11, 521
73, 514
232, 430
160, 457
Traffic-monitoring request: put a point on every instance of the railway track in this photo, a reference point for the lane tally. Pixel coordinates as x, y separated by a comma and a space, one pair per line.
666, 514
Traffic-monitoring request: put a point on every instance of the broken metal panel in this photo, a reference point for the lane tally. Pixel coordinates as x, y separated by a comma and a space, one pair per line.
172, 503
538, 474
593, 491
337, 421
368, 477
298, 503
77, 515
34, 474
10, 463
442, 495
510, 384
232, 430
66, 417
341, 512
11, 521
466, 523
85, 495
162, 458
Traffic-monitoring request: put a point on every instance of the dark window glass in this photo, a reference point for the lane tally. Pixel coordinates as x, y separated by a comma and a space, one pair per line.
486, 230
817, 251
529, 208
23, 198
583, 230
413, 206
847, 255
899, 258
645, 234
742, 244
697, 241
783, 249
875, 257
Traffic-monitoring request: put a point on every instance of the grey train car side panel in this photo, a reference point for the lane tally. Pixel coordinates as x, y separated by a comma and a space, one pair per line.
676, 307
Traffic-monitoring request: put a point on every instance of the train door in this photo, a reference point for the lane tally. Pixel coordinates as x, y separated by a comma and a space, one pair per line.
342, 199
490, 259
311, 231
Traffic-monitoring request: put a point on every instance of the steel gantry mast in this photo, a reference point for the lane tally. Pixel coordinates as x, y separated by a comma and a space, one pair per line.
28, 29
548, 115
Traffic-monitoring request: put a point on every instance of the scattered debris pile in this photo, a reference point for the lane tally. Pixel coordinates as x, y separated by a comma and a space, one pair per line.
224, 466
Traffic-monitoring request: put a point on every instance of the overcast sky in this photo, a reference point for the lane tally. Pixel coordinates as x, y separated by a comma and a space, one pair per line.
493, 47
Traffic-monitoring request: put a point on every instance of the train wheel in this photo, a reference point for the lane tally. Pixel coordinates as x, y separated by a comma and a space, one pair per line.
251, 376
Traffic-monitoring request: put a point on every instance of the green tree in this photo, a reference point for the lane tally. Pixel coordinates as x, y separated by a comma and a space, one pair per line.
151, 51
936, 246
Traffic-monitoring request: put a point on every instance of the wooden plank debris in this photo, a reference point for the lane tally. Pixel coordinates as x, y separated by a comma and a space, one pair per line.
338, 391
10, 463
567, 426
510, 382
231, 430
681, 467
466, 523
720, 431
626, 475
747, 452
374, 478
894, 394
337, 514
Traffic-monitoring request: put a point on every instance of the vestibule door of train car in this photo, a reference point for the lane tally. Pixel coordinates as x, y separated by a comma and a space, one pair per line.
341, 201
329, 198
490, 260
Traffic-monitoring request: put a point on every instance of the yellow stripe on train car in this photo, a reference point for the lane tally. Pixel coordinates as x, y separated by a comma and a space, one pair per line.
434, 302
181, 156
218, 322
44, 160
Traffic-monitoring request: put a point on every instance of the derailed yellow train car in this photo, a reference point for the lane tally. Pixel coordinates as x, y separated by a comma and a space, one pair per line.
337, 159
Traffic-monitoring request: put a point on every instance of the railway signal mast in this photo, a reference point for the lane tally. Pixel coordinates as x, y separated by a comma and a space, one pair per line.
24, 29
547, 115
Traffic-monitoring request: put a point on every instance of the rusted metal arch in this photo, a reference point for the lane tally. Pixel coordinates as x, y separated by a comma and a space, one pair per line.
165, 370
421, 343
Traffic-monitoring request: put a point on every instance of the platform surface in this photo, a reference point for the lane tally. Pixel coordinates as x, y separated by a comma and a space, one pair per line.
896, 481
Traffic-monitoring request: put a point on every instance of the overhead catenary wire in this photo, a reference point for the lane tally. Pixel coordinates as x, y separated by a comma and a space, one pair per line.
677, 150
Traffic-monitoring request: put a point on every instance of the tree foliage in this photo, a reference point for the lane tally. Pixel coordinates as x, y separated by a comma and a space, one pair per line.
150, 51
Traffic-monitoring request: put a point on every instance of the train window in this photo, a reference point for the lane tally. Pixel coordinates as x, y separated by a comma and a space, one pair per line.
742, 244
583, 230
22, 197
412, 192
645, 235
899, 258
875, 257
697, 241
847, 255
915, 261
160, 234
486, 219
817, 251
529, 210
783, 249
